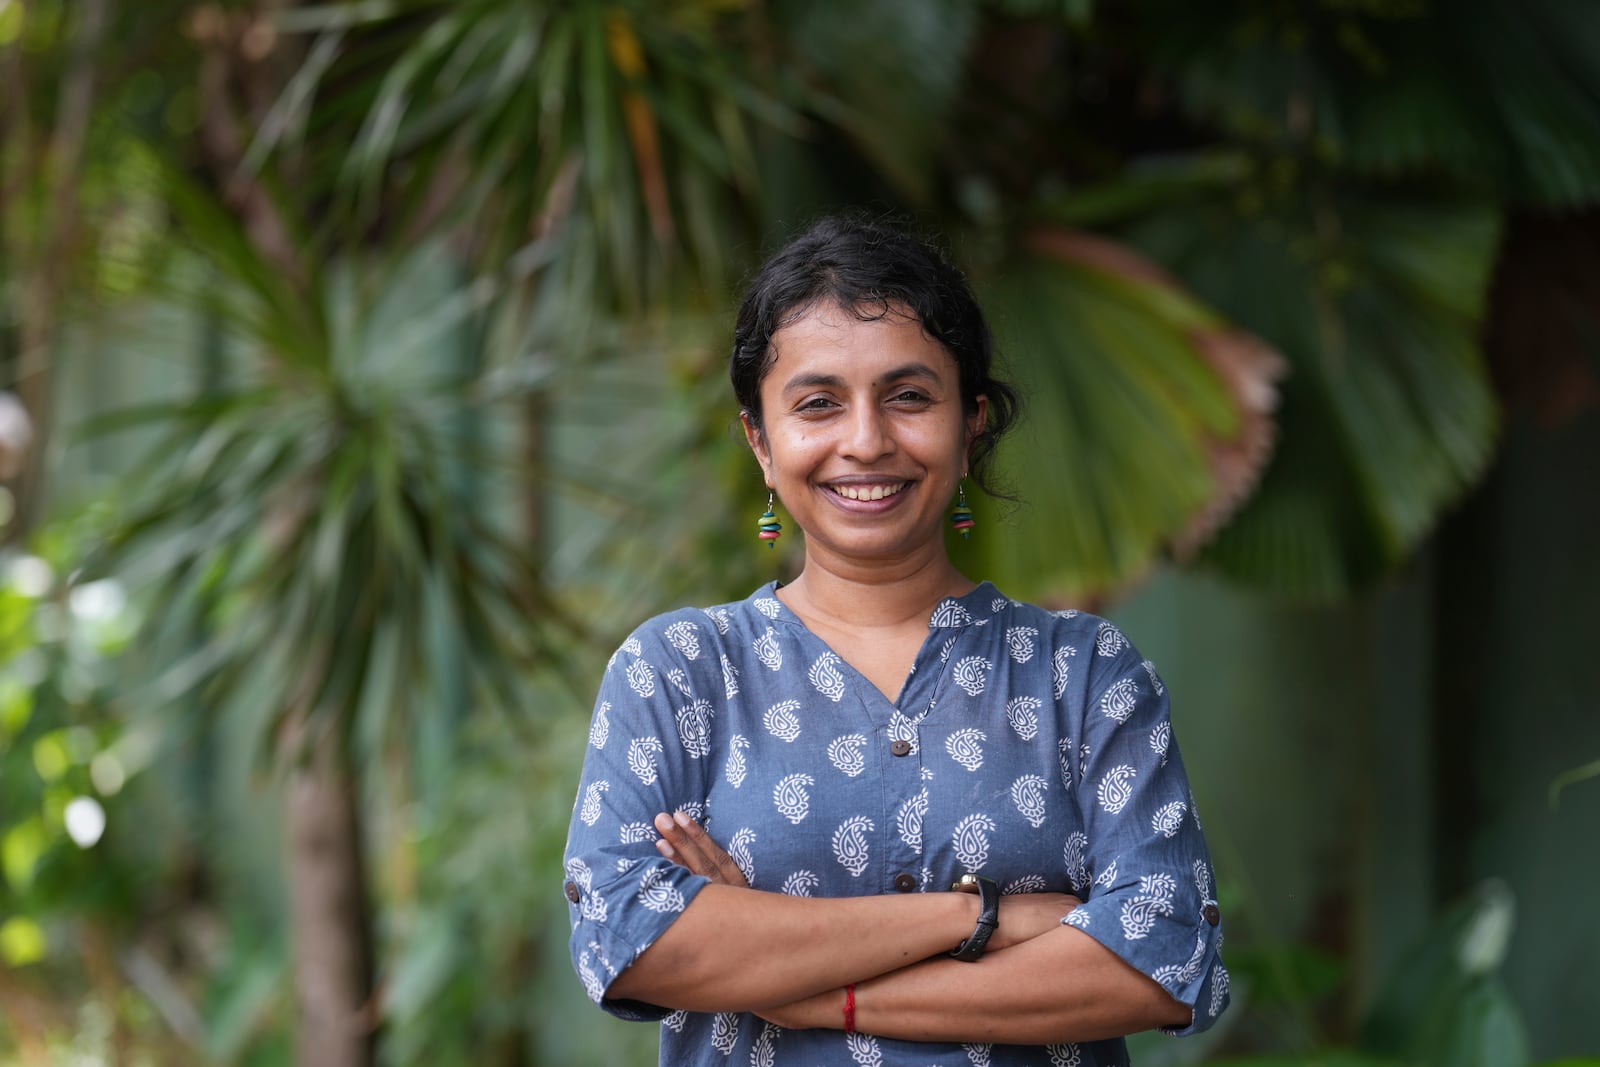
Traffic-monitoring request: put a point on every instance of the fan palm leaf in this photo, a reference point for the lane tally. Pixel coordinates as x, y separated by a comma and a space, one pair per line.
1375, 297
1499, 95
1146, 416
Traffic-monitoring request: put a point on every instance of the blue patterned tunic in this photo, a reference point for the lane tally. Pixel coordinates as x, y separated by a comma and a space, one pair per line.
1029, 746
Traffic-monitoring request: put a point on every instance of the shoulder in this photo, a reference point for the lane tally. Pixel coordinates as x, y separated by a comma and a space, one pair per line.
693, 633
1091, 646
1082, 630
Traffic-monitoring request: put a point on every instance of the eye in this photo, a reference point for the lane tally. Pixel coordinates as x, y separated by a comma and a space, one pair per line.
910, 396
815, 403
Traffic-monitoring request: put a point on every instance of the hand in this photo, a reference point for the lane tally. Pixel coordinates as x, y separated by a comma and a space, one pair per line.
1024, 916
685, 843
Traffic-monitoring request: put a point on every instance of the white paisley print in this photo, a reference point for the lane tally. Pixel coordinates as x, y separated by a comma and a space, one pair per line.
1032, 747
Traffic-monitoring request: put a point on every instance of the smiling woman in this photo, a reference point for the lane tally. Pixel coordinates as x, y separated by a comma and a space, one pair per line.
885, 814
863, 433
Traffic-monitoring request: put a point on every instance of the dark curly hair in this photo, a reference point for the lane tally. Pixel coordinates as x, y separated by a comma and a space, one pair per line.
873, 268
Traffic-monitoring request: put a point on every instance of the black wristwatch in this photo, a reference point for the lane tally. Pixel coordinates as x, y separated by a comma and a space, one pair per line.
988, 915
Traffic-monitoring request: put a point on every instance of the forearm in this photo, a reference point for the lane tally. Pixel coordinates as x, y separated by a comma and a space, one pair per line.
735, 949
1061, 986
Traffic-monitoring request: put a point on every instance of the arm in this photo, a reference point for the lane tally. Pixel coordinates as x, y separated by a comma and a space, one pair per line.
643, 939
1151, 899
1041, 984
1060, 986
737, 949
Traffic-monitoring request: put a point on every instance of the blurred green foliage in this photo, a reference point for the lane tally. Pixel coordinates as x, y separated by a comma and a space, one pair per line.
63, 760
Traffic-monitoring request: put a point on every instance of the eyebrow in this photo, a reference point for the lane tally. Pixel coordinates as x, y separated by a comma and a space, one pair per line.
813, 380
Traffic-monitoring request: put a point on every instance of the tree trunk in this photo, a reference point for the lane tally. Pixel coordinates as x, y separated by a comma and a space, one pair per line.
56, 248
328, 911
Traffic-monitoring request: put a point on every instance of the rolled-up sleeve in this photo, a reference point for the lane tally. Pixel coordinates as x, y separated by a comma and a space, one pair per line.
621, 893
1151, 893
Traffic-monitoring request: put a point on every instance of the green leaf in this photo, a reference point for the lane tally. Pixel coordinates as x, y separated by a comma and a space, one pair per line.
1497, 95
1484, 1029
425, 963
1562, 781
320, 523
16, 706
1375, 297
1114, 460
22, 941
890, 74
1443, 1005
20, 851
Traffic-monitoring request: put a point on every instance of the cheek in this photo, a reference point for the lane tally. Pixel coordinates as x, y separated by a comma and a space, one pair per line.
792, 453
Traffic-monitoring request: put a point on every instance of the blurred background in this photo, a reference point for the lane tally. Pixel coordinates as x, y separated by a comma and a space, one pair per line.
363, 387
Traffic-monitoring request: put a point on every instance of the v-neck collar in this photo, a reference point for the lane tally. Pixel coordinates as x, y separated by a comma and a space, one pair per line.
953, 613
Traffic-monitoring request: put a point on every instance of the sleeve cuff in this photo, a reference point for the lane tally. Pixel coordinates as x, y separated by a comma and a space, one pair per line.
1198, 980
602, 948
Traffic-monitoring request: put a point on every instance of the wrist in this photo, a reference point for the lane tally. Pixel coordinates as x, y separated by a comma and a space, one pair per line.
987, 893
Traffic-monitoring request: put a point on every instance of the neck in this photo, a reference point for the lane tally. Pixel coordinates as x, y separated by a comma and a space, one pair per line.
860, 596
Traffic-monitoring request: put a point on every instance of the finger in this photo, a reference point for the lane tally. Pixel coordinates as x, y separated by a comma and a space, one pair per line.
685, 849
727, 870
671, 842
691, 840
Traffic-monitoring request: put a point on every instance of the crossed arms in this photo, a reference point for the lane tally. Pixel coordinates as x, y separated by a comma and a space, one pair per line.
788, 959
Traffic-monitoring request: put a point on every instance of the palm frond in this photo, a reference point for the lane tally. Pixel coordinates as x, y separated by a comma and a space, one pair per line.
1115, 461
1375, 297
322, 515
601, 126
1499, 96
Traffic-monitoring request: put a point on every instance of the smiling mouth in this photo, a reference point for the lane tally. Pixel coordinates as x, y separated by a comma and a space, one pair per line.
868, 492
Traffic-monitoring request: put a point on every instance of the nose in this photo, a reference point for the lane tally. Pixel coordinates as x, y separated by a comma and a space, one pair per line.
868, 436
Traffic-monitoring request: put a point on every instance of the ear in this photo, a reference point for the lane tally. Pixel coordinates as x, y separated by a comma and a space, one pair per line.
758, 444
977, 421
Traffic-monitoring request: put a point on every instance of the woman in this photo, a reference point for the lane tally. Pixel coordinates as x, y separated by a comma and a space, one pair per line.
884, 814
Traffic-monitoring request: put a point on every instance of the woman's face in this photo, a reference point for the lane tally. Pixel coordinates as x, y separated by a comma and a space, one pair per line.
862, 433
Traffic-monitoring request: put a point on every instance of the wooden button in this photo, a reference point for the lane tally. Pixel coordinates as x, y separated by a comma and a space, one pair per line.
901, 747
904, 883
1213, 914
572, 892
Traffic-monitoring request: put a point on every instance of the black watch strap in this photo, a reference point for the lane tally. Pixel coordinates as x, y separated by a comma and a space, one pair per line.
988, 915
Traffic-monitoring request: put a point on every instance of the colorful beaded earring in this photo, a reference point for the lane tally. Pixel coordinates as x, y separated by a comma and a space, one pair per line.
768, 524
961, 515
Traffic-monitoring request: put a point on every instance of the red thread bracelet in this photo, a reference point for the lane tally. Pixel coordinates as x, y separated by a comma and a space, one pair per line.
850, 1008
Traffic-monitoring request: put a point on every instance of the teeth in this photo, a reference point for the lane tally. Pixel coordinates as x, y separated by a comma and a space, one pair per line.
868, 492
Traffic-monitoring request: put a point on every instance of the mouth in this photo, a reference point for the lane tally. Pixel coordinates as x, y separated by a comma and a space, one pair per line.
867, 491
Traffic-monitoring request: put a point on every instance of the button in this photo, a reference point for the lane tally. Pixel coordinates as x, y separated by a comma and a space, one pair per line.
901, 747
904, 883
1213, 914
572, 892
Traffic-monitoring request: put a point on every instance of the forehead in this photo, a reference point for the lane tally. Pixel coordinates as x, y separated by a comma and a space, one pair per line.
853, 343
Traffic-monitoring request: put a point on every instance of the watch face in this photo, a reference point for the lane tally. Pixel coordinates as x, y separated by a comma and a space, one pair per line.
967, 883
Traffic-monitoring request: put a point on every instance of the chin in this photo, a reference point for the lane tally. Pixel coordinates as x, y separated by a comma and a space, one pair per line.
870, 549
